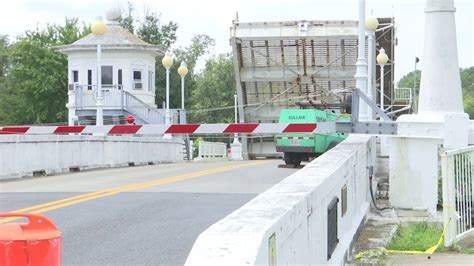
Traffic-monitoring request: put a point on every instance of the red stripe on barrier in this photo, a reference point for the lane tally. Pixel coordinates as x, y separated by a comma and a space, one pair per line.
295, 128
124, 129
182, 129
69, 129
240, 128
15, 130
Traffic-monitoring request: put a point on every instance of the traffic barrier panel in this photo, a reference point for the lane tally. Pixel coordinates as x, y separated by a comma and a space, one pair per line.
37, 242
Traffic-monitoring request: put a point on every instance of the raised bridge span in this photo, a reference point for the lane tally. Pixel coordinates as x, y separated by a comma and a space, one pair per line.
144, 215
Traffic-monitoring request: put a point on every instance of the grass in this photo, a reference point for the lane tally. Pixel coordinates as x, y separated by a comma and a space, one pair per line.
415, 236
457, 249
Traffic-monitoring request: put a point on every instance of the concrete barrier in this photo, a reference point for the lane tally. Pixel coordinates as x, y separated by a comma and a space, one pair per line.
27, 155
288, 224
210, 150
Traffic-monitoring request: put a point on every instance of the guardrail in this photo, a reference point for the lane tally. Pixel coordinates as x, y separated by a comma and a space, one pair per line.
310, 218
208, 150
24, 155
458, 193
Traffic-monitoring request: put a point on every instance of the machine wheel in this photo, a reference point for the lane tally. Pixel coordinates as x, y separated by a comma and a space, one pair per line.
292, 159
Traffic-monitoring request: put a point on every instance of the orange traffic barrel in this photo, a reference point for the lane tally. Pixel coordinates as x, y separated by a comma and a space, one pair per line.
37, 242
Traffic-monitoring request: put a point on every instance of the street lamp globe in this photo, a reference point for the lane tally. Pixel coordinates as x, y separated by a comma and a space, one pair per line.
382, 57
98, 27
183, 69
371, 24
167, 61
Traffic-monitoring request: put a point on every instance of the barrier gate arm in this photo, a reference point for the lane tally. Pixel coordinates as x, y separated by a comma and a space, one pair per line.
387, 127
376, 128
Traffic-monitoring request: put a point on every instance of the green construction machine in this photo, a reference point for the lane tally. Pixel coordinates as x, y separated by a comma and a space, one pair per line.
298, 147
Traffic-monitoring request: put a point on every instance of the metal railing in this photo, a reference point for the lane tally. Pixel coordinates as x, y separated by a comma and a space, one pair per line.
137, 107
403, 95
86, 96
209, 150
458, 193
115, 98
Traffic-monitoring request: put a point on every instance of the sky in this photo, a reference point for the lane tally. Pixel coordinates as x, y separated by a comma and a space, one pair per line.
214, 18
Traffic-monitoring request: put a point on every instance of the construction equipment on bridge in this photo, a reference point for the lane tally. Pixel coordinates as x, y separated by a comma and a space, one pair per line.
297, 147
37, 242
293, 64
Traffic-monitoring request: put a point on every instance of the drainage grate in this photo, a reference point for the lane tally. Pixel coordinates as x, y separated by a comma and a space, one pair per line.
39, 173
74, 169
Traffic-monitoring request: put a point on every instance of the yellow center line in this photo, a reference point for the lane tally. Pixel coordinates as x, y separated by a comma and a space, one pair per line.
110, 192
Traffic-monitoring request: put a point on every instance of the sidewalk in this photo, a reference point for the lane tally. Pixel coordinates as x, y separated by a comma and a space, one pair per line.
435, 259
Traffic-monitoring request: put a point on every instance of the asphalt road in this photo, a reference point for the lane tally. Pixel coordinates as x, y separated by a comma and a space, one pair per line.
148, 215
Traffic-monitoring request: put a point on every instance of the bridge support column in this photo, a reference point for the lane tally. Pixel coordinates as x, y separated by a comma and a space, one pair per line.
441, 121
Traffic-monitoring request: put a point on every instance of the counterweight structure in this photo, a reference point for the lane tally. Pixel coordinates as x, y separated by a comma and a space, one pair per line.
296, 64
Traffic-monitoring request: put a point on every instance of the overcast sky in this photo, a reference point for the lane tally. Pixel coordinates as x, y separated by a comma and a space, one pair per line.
214, 17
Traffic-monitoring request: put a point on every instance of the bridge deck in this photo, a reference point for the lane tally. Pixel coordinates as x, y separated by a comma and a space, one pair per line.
153, 223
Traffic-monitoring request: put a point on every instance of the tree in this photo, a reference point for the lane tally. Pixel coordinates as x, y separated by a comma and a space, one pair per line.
37, 80
467, 83
127, 22
4, 47
151, 31
408, 80
215, 88
200, 45
3, 56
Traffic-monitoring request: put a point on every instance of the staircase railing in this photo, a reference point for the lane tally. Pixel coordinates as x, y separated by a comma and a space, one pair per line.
142, 110
114, 97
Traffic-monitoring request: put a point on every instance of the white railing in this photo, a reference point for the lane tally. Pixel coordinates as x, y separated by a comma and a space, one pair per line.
403, 95
458, 193
209, 150
115, 97
309, 218
142, 110
86, 96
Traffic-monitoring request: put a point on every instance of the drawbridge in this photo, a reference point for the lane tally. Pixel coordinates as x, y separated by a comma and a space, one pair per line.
298, 64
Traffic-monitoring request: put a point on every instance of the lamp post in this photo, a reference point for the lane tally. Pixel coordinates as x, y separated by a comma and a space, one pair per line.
382, 59
415, 101
182, 71
98, 28
236, 146
167, 63
361, 64
371, 25
236, 138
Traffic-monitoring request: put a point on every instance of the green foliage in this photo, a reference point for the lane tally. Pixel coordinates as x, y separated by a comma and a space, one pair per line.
35, 90
467, 83
215, 88
416, 236
33, 75
127, 22
200, 45
3, 57
151, 31
407, 81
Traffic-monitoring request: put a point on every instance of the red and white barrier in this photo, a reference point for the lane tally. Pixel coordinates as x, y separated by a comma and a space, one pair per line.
268, 128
